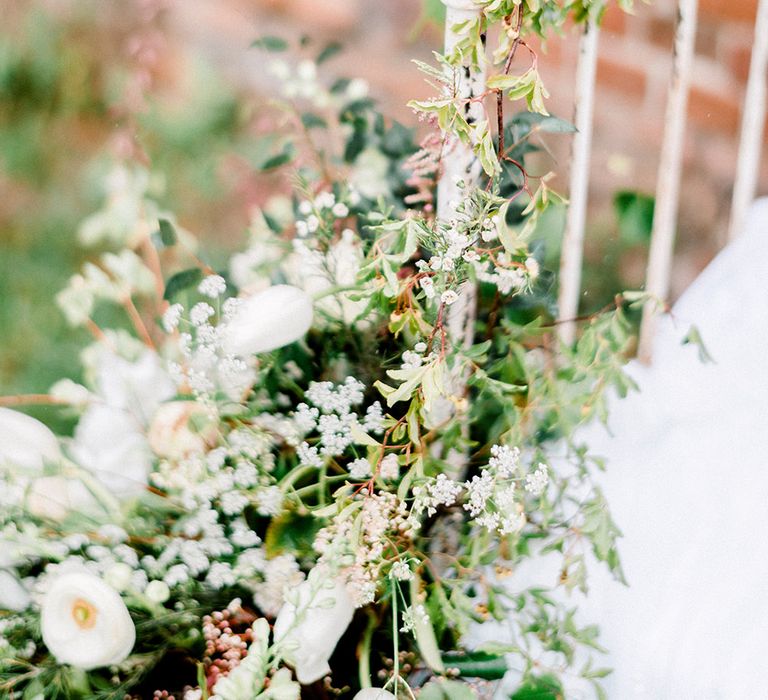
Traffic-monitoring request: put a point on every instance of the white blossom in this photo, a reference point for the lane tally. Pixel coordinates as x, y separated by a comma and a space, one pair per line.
504, 460
85, 623
200, 313
389, 468
448, 297
172, 317
359, 468
212, 286
536, 482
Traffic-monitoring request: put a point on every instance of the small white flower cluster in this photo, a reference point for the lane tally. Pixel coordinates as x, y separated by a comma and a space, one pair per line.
413, 359
507, 276
322, 212
301, 82
206, 367
8, 651
435, 493
457, 244
330, 411
116, 279
412, 615
490, 497
278, 573
358, 545
536, 482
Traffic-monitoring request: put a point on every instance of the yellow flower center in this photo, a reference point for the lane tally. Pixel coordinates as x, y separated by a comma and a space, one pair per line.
84, 614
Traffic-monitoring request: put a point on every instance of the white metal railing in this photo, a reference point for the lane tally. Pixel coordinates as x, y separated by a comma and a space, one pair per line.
670, 171
670, 164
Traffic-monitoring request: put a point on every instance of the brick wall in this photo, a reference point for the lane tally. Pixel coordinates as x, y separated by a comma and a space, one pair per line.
633, 72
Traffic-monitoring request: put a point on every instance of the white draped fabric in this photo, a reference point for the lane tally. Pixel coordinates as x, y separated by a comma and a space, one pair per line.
687, 481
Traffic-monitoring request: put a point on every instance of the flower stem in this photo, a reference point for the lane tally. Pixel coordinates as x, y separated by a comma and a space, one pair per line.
364, 665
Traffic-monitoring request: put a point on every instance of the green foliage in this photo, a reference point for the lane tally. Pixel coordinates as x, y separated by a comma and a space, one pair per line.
634, 213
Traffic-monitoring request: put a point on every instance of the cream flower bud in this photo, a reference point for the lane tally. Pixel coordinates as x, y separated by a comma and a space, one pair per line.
26, 442
278, 316
157, 591
170, 434
311, 623
53, 497
119, 576
85, 622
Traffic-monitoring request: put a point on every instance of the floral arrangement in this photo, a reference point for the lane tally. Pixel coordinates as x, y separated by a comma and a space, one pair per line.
300, 475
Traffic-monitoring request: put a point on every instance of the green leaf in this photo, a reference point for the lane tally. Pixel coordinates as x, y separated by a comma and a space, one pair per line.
541, 688
181, 281
328, 52
693, 337
424, 633
292, 533
443, 689
313, 121
167, 233
554, 125
357, 142
285, 156
270, 43
476, 664
634, 213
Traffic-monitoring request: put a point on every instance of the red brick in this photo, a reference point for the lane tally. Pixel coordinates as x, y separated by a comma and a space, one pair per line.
624, 78
738, 61
706, 39
712, 111
661, 31
614, 20
729, 10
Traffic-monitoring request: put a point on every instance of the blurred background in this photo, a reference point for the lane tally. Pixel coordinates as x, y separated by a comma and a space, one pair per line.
176, 84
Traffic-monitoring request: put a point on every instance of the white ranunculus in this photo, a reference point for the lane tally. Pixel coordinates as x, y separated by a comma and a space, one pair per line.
26, 442
138, 387
311, 623
13, 595
374, 694
109, 443
170, 434
278, 316
53, 497
85, 622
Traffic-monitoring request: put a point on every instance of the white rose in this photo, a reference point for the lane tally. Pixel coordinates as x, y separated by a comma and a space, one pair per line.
170, 434
53, 497
278, 316
26, 442
310, 624
109, 443
374, 694
13, 595
85, 622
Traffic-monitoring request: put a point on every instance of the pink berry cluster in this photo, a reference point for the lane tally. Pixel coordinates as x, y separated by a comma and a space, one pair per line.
227, 636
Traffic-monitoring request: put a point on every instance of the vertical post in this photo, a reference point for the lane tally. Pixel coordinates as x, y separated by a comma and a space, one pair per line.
752, 125
573, 239
459, 162
670, 170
